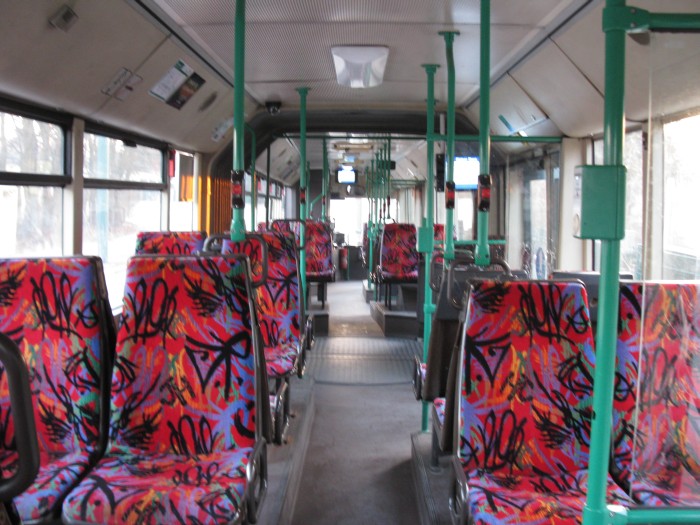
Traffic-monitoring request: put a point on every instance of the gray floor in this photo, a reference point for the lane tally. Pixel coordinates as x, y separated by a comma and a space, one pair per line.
357, 468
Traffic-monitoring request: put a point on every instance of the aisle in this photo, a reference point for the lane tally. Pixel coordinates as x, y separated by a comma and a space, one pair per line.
358, 462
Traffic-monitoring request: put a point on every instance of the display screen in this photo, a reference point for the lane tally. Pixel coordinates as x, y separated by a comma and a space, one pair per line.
466, 173
346, 175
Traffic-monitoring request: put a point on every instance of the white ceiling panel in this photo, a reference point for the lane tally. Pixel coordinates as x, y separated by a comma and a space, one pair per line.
559, 88
189, 125
532, 12
65, 73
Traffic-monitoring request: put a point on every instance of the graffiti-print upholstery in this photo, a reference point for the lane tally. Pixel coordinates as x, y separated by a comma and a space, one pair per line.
660, 455
184, 398
629, 330
177, 243
525, 403
277, 300
56, 312
291, 226
319, 252
399, 256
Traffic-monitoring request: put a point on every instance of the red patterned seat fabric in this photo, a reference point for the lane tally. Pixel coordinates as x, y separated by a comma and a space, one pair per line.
319, 252
660, 330
291, 226
525, 404
398, 256
184, 398
178, 243
629, 330
277, 300
439, 406
56, 312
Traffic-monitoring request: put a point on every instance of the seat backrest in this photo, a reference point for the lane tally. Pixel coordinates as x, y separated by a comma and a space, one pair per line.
525, 382
629, 331
189, 376
292, 226
319, 250
277, 300
399, 257
177, 243
57, 311
664, 437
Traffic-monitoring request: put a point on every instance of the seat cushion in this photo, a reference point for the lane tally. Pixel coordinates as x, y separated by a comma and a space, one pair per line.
57, 473
281, 360
535, 500
126, 487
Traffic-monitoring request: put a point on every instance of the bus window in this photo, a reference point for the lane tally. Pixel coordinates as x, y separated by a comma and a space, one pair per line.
32, 173
533, 188
681, 250
183, 193
124, 182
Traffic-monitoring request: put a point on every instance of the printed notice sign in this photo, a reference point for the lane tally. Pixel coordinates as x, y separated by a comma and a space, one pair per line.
178, 85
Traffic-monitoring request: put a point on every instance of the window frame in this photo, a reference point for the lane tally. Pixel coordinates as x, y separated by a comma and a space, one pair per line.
134, 139
64, 121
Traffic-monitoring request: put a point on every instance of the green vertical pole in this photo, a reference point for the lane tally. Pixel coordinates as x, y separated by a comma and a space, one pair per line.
428, 238
325, 183
303, 92
267, 193
482, 255
238, 218
594, 511
449, 176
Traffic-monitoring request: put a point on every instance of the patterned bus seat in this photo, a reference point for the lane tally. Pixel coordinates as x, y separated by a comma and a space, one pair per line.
525, 405
176, 243
319, 252
398, 262
57, 312
279, 315
188, 400
658, 357
291, 226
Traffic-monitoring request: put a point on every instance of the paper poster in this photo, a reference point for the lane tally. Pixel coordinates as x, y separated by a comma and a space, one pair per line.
178, 85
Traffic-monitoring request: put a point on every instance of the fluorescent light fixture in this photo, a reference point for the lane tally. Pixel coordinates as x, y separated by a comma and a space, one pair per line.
360, 66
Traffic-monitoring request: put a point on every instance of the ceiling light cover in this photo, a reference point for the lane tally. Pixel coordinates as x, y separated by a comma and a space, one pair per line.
360, 66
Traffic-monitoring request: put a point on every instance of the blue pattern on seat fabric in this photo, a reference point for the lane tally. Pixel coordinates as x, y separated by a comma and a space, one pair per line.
525, 403
167, 242
57, 311
186, 398
398, 254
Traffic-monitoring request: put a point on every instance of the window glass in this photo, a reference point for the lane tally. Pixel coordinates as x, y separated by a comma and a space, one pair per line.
631, 245
111, 159
183, 194
681, 242
31, 221
30, 146
111, 220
